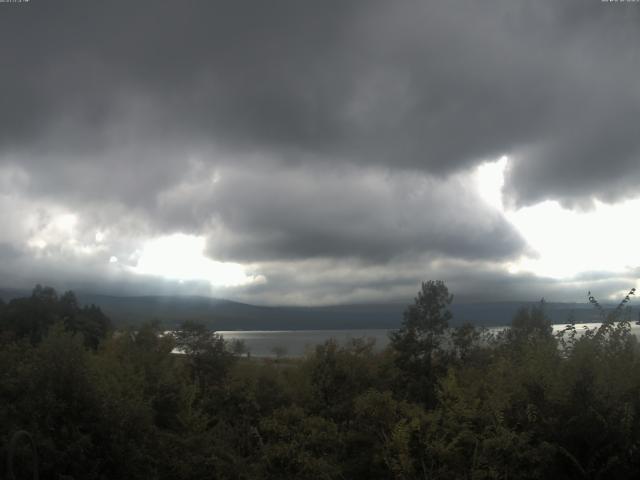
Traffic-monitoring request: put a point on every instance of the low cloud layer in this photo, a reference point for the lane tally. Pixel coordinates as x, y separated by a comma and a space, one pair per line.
329, 148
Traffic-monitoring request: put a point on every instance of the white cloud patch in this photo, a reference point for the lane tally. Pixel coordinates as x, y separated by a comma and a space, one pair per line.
566, 243
181, 257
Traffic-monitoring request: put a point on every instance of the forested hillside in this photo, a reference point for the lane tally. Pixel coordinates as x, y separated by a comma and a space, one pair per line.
438, 403
219, 314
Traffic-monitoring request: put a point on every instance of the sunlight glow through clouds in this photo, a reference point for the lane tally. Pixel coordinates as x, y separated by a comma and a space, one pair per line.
60, 232
59, 229
177, 257
181, 257
567, 242
490, 180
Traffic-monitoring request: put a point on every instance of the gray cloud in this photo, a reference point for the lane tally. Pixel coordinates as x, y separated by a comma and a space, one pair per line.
361, 213
429, 85
289, 132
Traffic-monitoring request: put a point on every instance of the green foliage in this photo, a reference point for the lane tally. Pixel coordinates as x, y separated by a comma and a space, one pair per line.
418, 344
395, 430
208, 356
438, 403
337, 374
31, 317
297, 445
465, 342
531, 321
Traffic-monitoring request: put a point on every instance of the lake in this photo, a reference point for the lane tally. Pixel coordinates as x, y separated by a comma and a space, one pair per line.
294, 343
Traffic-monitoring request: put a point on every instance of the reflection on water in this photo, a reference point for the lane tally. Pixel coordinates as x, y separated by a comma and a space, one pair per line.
635, 329
295, 343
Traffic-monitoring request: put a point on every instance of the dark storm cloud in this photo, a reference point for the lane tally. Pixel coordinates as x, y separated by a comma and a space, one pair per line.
429, 85
366, 214
243, 72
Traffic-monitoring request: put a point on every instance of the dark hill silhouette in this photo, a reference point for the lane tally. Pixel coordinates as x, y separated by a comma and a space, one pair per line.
223, 314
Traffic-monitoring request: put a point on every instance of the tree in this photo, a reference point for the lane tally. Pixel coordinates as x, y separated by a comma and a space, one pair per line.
30, 317
529, 324
297, 445
209, 358
68, 305
419, 341
89, 321
464, 339
44, 294
338, 374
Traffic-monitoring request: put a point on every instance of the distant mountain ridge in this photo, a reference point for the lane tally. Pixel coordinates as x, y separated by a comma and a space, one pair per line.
222, 314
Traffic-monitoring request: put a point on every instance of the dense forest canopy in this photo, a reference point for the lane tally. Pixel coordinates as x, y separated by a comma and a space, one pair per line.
437, 403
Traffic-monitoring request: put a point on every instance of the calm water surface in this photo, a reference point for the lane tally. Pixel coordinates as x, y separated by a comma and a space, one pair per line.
295, 343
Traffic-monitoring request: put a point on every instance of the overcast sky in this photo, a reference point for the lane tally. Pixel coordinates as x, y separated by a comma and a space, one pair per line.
320, 152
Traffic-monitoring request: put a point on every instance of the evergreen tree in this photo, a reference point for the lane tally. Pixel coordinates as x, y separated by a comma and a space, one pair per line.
418, 344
